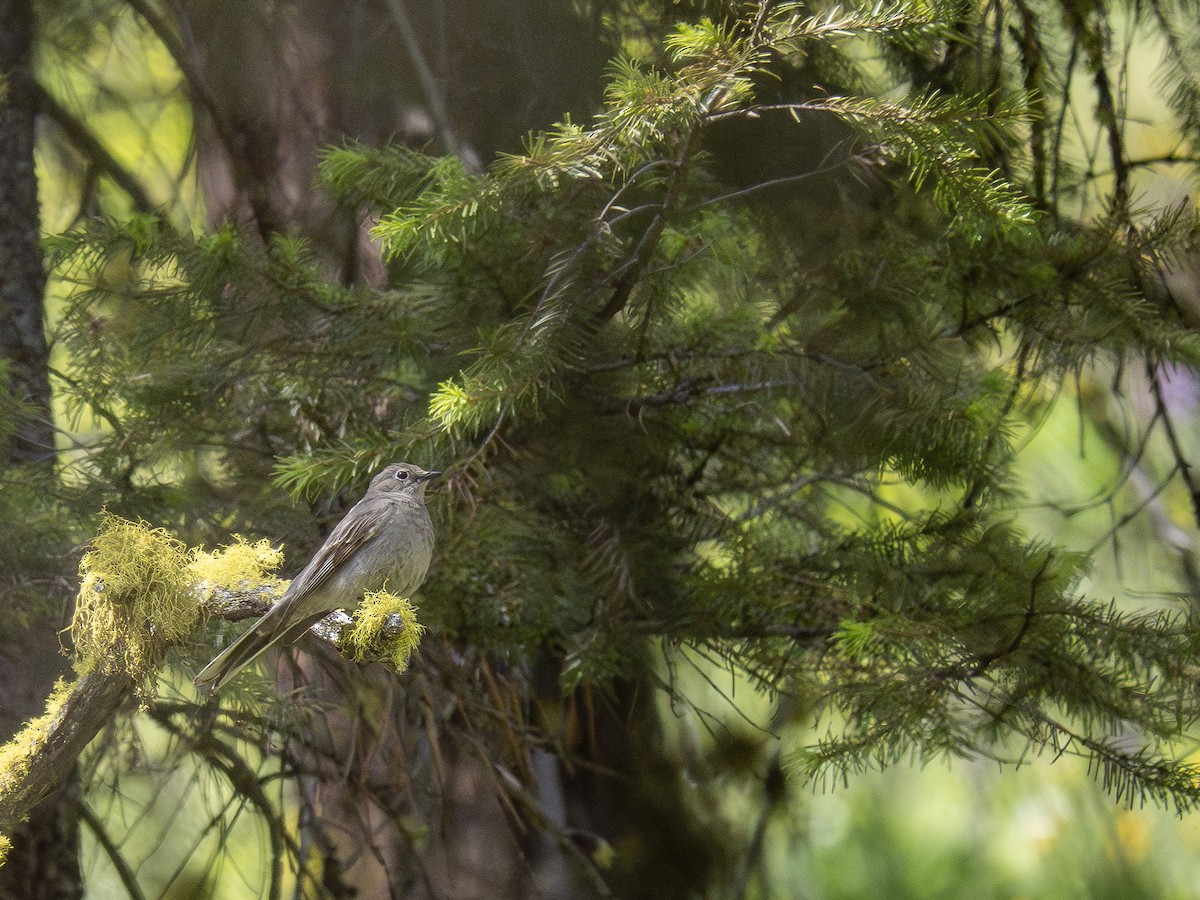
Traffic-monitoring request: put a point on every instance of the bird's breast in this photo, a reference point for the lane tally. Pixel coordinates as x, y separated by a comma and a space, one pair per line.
396, 557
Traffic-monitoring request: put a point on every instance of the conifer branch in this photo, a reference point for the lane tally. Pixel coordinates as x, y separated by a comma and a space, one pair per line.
680, 419
625, 278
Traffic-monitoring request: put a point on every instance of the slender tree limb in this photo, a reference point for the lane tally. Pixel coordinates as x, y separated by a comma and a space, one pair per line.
434, 95
227, 131
79, 135
245, 783
625, 279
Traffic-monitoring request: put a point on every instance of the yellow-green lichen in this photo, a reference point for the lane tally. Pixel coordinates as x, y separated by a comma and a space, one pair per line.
141, 590
242, 566
134, 599
16, 755
5, 846
385, 629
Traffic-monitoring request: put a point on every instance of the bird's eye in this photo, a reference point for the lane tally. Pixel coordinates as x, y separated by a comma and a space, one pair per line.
401, 475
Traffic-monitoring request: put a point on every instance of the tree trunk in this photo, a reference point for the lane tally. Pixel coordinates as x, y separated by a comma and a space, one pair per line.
22, 280
43, 862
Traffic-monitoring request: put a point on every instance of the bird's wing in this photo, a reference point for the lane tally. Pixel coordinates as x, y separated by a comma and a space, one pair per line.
354, 531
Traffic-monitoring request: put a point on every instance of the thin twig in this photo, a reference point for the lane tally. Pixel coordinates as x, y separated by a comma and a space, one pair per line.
124, 872
434, 95
1181, 462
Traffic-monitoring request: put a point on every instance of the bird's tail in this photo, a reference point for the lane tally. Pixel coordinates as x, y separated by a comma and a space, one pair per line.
253, 642
272, 628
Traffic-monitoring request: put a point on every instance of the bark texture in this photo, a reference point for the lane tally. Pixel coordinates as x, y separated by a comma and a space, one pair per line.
22, 279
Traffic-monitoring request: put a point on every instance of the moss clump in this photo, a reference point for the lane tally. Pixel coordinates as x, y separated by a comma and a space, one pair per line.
385, 629
242, 565
26, 743
140, 591
134, 600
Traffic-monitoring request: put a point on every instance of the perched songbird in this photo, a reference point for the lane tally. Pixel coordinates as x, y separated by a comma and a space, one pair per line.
386, 538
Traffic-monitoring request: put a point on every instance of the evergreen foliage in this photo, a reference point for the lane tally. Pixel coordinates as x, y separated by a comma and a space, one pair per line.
684, 416
654, 408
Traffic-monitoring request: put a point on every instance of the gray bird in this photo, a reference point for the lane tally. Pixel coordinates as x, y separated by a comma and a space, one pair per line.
385, 538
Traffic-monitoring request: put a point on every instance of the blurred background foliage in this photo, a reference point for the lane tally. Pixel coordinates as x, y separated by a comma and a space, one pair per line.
768, 361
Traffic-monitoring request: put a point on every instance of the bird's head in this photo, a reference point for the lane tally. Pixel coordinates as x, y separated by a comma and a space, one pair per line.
402, 478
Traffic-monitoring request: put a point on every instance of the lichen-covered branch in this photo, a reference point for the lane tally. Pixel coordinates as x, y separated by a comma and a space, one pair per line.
142, 592
35, 762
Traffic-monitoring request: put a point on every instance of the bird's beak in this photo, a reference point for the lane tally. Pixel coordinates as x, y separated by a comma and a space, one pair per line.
429, 476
